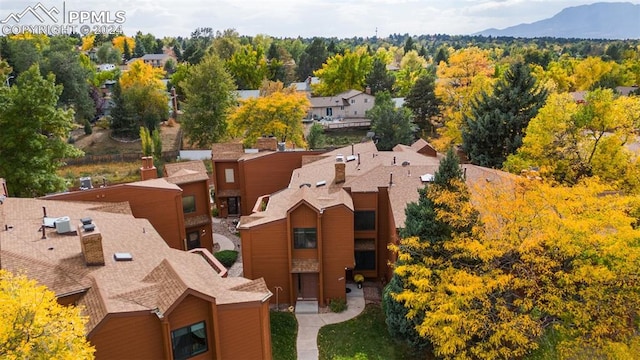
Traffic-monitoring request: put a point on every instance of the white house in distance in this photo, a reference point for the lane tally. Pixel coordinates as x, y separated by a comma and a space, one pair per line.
347, 105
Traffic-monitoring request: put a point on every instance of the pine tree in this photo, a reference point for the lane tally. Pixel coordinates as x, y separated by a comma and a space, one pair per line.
392, 126
421, 222
379, 79
497, 122
424, 103
122, 119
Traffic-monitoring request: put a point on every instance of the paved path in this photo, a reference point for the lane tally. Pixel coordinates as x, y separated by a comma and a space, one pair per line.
224, 242
310, 324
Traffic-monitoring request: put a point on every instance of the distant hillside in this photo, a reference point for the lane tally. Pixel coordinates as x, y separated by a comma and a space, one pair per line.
595, 21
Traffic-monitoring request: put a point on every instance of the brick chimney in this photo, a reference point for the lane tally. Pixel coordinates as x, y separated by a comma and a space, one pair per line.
91, 243
340, 169
267, 144
148, 170
367, 90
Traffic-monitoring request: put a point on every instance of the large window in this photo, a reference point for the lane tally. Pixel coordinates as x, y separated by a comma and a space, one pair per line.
304, 238
364, 220
189, 204
189, 341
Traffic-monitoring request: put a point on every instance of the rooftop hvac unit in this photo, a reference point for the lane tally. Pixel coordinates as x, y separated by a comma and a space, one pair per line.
85, 183
63, 225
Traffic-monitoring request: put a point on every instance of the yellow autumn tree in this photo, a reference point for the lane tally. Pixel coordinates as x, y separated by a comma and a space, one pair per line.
88, 42
569, 141
118, 43
464, 76
542, 258
142, 74
279, 114
34, 326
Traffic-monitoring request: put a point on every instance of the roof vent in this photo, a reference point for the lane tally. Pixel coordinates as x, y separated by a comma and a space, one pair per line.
88, 227
406, 163
305, 184
427, 178
321, 183
122, 256
86, 221
339, 158
351, 158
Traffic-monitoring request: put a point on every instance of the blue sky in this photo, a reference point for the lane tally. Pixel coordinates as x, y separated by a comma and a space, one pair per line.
307, 18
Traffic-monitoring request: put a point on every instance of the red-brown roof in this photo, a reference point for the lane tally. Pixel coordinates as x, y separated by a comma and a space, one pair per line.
156, 278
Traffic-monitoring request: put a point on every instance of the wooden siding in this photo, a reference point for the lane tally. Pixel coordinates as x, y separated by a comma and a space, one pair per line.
129, 337
192, 310
384, 231
220, 180
241, 328
265, 254
368, 201
274, 174
200, 190
304, 216
337, 250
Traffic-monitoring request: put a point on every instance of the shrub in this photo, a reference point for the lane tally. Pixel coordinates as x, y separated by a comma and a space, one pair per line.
215, 212
227, 257
338, 305
87, 128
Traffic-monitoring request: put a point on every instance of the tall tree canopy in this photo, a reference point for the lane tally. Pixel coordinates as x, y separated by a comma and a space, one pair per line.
391, 125
542, 258
33, 140
495, 127
421, 222
344, 72
34, 326
567, 141
312, 58
248, 67
279, 114
412, 67
423, 103
208, 88
379, 78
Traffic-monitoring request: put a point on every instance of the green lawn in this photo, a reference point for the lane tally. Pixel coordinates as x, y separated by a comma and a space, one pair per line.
284, 329
362, 338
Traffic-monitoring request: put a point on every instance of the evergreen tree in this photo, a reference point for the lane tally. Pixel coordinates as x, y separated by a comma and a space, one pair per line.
497, 122
126, 50
409, 44
139, 50
441, 55
423, 102
316, 137
392, 126
122, 120
379, 79
312, 58
421, 222
34, 133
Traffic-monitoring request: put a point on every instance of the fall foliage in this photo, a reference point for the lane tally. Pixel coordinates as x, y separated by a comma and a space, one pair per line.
34, 326
279, 114
540, 258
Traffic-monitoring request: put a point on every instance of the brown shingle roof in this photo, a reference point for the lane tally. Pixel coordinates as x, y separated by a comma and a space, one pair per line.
157, 276
226, 151
373, 171
186, 172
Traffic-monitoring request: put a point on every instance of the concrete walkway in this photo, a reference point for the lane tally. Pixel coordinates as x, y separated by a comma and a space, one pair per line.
224, 242
310, 324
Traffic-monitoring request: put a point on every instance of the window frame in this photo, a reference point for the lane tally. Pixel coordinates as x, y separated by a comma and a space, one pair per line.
229, 176
184, 206
360, 224
189, 330
305, 242
189, 241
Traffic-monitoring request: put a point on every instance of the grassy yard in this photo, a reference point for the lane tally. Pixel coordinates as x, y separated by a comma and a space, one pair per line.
344, 137
362, 338
113, 173
284, 330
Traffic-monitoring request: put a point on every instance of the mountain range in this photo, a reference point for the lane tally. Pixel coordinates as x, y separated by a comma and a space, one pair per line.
595, 21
